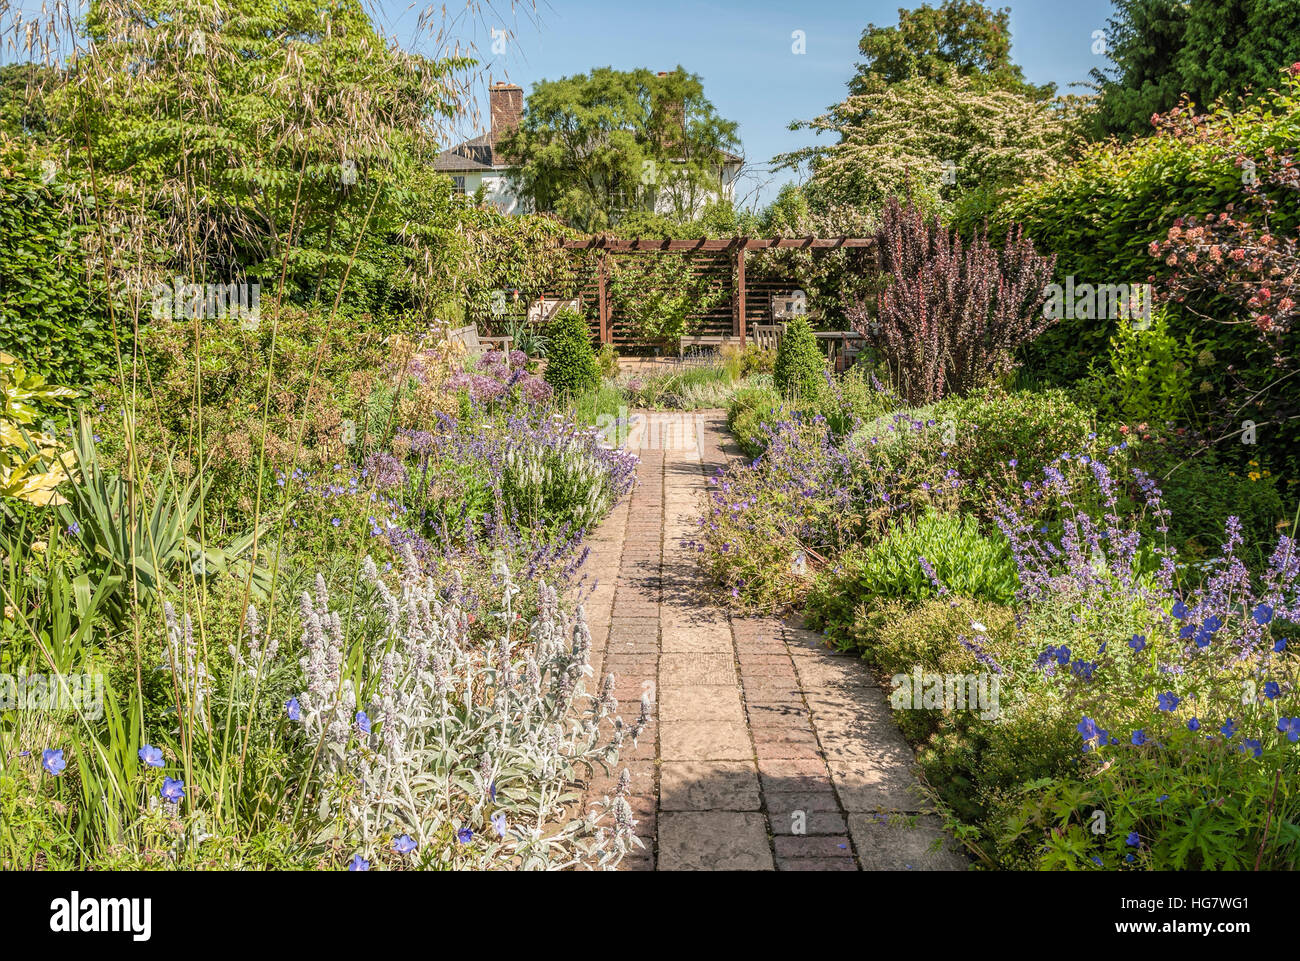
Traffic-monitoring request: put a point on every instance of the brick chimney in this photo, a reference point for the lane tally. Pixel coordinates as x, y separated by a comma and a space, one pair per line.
506, 102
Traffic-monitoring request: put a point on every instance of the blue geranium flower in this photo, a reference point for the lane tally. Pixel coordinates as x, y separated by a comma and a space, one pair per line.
1272, 690
1253, 747
172, 790
1137, 642
1290, 726
358, 863
1088, 730
1062, 655
1179, 610
1229, 728
1167, 701
1263, 613
1133, 840
1193, 725
1280, 646
1139, 738
363, 722
404, 844
151, 756
293, 708
464, 835
53, 762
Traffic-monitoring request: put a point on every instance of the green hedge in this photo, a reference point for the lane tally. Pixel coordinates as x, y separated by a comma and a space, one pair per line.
49, 317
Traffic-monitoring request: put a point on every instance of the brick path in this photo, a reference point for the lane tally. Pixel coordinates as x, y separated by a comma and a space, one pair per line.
767, 750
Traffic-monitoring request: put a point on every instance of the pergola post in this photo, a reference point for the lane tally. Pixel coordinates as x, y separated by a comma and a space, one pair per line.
603, 300
740, 292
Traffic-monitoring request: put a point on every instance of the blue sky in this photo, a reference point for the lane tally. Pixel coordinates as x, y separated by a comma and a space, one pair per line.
742, 50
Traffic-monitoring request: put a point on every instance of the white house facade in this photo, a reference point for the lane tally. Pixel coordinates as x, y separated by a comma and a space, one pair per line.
480, 163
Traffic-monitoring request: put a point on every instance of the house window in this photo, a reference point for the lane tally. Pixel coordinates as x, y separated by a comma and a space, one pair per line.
458, 185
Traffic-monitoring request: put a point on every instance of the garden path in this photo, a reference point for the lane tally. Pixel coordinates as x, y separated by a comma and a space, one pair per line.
766, 750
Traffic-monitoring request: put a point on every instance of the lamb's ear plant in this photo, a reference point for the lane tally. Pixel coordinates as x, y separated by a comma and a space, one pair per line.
470, 754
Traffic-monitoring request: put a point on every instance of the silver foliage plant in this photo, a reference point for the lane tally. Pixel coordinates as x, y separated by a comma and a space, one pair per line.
462, 756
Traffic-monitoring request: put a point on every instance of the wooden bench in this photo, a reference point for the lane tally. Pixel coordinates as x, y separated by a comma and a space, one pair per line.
701, 340
475, 344
768, 336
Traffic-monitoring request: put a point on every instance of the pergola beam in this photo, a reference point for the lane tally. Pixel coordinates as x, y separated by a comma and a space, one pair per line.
618, 245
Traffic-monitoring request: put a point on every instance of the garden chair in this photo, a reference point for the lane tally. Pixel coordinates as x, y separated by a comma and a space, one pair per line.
475, 344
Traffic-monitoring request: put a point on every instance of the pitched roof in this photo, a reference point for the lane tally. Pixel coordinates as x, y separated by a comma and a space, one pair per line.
471, 155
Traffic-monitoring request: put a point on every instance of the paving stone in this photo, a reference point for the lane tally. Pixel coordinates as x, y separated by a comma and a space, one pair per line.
816, 864
708, 786
697, 669
783, 803
713, 841
704, 741
805, 774
881, 782
720, 703
905, 844
813, 846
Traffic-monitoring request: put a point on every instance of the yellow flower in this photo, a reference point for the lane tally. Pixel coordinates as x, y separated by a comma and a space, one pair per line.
1253, 475
39, 546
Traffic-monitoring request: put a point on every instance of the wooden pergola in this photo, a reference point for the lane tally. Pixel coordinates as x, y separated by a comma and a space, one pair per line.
736, 246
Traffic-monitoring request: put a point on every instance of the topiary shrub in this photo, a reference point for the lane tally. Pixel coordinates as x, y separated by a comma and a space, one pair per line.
799, 367
571, 365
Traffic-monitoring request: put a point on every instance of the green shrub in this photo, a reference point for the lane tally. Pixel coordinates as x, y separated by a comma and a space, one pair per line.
800, 369
1148, 374
571, 365
965, 562
749, 410
991, 428
607, 359
1102, 215
1202, 493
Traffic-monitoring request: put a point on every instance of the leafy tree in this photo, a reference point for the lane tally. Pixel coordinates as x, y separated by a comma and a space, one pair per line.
1206, 49
932, 42
942, 144
593, 148
259, 139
